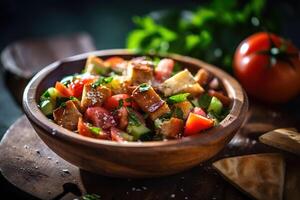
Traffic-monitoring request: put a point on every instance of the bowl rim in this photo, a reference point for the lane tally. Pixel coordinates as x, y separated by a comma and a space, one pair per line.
231, 122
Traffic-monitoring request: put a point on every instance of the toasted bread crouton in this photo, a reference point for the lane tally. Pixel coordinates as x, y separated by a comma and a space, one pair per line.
180, 83
67, 116
163, 109
95, 65
94, 96
202, 77
149, 101
139, 73
185, 107
172, 127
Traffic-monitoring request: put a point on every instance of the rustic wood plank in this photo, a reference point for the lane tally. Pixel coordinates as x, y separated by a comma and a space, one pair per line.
31, 166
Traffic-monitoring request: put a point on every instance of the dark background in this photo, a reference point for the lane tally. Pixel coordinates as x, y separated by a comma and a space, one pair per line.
108, 22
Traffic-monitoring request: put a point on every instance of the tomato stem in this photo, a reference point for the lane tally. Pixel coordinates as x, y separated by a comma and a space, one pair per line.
278, 53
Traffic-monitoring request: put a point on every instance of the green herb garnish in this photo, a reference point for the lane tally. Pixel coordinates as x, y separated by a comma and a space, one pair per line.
157, 123
144, 87
166, 116
178, 98
91, 197
202, 32
204, 101
63, 104
178, 113
95, 130
73, 98
101, 81
67, 80
132, 118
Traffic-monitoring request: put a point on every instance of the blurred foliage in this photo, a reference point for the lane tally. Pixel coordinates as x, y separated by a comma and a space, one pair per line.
210, 32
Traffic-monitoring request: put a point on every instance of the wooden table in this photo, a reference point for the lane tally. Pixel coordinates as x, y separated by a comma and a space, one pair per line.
31, 166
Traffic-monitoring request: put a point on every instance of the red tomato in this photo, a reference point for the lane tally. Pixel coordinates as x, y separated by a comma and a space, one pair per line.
87, 79
113, 102
63, 90
115, 135
100, 117
268, 67
76, 88
84, 130
199, 111
122, 117
114, 61
164, 69
196, 123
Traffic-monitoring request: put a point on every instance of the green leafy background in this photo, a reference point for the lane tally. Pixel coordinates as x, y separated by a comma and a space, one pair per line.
211, 32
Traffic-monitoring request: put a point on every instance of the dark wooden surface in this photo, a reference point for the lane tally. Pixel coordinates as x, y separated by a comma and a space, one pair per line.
31, 166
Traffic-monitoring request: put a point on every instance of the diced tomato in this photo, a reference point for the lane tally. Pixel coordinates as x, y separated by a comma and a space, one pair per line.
113, 102
122, 117
115, 135
63, 90
114, 61
76, 88
199, 111
88, 79
164, 69
196, 123
100, 117
84, 130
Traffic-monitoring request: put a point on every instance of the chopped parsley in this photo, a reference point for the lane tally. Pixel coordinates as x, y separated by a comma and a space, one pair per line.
95, 130
204, 101
132, 118
144, 87
73, 98
67, 80
61, 101
178, 113
102, 80
91, 197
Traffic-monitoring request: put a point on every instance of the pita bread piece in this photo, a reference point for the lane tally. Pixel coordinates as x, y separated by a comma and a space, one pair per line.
259, 175
285, 139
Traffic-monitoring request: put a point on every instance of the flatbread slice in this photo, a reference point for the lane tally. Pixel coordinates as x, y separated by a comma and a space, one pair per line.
259, 175
285, 139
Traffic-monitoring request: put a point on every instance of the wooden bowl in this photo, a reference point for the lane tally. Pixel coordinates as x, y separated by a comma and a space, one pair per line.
132, 159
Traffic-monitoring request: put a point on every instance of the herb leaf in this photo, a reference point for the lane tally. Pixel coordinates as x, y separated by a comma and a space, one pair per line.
67, 80
91, 197
178, 98
95, 130
144, 87
204, 101
101, 81
178, 113
132, 118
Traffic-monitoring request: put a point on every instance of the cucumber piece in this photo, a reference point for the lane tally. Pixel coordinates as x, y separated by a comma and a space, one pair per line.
50, 94
47, 107
215, 106
137, 131
127, 137
53, 93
